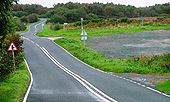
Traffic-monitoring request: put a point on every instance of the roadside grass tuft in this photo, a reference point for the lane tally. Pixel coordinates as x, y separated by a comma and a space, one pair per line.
164, 86
13, 88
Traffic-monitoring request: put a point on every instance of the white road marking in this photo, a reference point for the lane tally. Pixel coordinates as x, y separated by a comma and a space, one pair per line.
31, 81
84, 82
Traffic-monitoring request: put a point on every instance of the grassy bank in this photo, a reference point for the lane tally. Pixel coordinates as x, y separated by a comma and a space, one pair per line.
13, 88
164, 86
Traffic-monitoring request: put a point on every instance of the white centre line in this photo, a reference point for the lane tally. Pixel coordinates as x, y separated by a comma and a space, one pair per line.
84, 82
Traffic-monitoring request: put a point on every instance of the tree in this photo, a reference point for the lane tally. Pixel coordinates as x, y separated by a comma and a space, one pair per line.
57, 19
6, 25
34, 8
75, 15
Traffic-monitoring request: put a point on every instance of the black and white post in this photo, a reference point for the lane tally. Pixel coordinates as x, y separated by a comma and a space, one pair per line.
83, 33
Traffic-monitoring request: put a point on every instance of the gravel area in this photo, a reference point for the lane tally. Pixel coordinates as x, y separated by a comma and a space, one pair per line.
132, 44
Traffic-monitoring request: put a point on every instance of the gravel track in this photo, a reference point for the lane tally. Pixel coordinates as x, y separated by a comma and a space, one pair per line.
132, 44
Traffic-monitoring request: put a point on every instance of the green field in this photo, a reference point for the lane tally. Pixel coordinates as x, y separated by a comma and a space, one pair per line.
13, 88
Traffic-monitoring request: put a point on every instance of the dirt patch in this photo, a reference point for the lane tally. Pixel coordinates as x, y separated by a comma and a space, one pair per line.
149, 80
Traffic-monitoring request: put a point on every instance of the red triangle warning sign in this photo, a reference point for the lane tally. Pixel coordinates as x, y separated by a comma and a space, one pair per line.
12, 47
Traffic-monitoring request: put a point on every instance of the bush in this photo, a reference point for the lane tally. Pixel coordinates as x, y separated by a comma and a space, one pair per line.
56, 27
57, 19
6, 59
19, 13
20, 26
25, 19
124, 20
32, 18
112, 19
96, 20
92, 16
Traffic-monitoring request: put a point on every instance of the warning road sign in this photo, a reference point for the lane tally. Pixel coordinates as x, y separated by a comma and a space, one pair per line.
12, 47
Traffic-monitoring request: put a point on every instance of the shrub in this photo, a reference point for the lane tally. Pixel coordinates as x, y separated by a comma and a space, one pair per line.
20, 26
92, 16
112, 19
57, 19
33, 18
19, 13
165, 66
124, 20
25, 19
96, 20
6, 59
56, 27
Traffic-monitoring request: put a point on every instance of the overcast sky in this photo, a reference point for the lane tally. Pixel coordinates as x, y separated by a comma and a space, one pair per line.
137, 3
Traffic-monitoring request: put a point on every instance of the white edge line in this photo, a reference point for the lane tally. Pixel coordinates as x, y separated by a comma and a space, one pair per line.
31, 81
129, 80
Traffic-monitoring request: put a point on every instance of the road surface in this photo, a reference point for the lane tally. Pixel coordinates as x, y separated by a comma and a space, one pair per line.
59, 77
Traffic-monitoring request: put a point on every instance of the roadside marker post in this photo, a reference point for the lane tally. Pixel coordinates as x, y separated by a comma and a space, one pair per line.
84, 37
83, 33
12, 48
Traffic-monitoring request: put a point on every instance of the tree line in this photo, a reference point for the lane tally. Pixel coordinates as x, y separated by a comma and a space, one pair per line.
71, 12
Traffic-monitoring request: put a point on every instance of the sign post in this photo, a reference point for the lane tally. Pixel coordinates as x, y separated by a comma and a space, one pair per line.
12, 48
83, 33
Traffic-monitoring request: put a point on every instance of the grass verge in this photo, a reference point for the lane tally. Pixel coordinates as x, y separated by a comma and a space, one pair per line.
164, 86
92, 32
13, 88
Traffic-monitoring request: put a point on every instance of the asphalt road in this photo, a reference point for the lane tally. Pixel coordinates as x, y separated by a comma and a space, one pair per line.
59, 77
